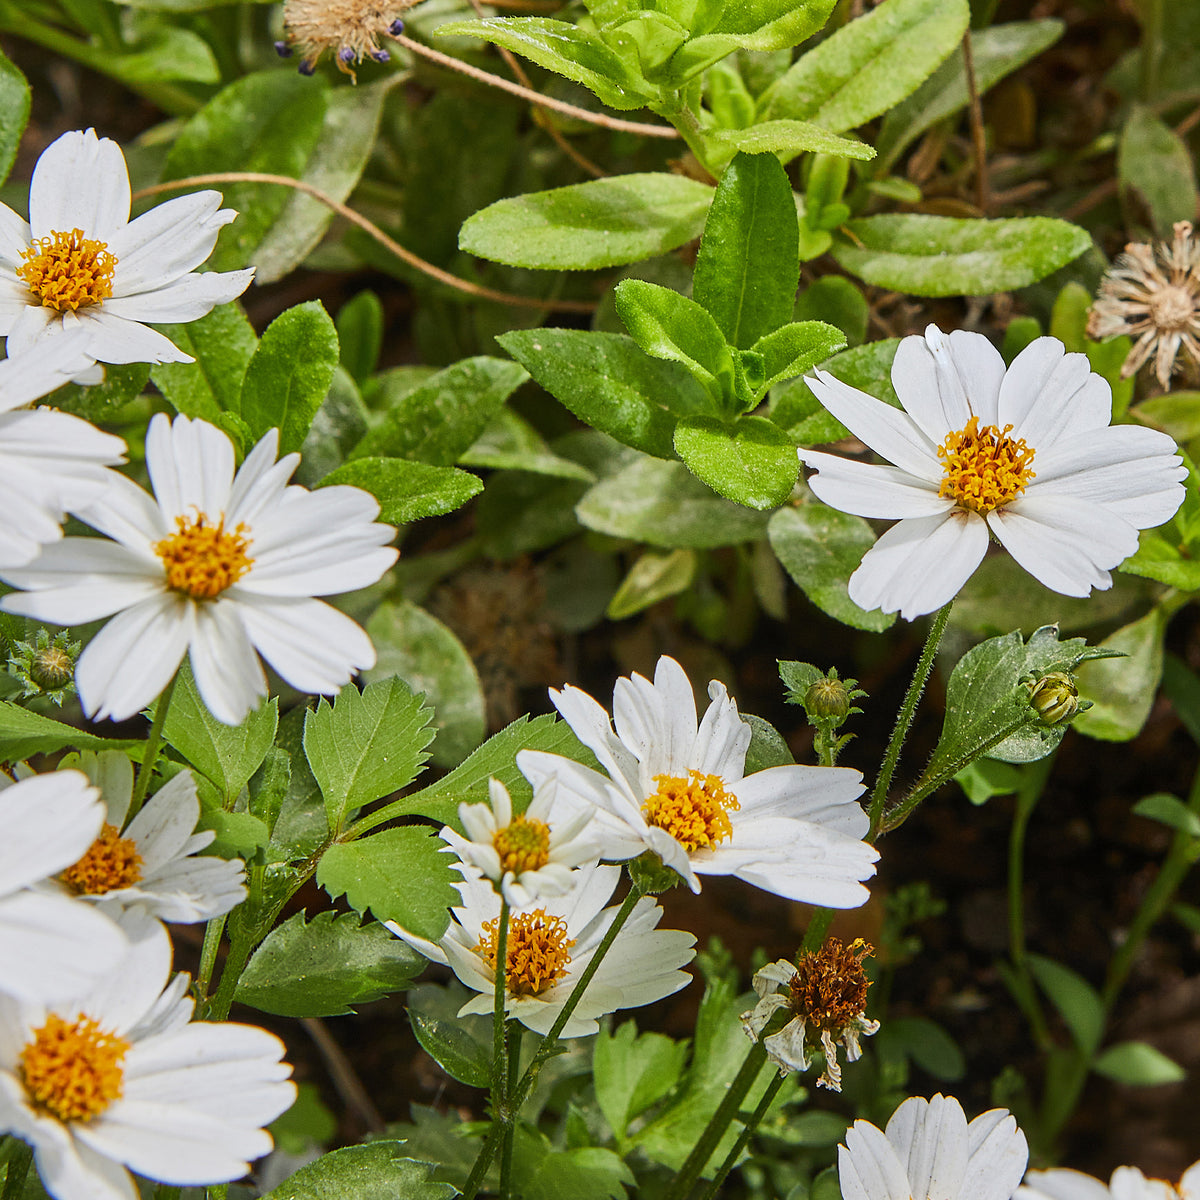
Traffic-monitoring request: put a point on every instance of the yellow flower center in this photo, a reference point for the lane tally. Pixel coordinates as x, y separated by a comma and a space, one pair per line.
110, 862
536, 953
68, 271
201, 559
694, 811
73, 1071
523, 845
984, 468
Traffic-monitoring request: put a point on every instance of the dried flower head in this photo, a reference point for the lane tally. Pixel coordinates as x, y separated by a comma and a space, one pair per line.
1152, 293
826, 993
349, 29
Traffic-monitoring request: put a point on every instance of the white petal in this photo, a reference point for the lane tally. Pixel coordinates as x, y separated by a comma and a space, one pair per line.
821, 867
1048, 393
920, 564
944, 379
227, 671
184, 299
722, 739
49, 821
872, 490
931, 1138
657, 721
80, 181
15, 236
998, 1156
1062, 1184
113, 339
165, 822
822, 795
167, 241
591, 725
869, 1168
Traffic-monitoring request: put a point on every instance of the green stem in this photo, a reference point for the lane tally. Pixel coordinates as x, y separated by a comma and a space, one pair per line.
518, 1095
748, 1129
499, 1045
208, 954
710, 1139
904, 718
1151, 49
167, 1191
235, 964
818, 927
152, 747
18, 1170
506, 1145
687, 125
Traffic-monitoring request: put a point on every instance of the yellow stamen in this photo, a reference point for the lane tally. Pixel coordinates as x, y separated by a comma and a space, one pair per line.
523, 845
73, 1071
109, 863
536, 952
202, 560
68, 271
984, 468
694, 811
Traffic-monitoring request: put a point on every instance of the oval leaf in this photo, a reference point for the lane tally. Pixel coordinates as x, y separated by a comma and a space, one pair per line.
752, 462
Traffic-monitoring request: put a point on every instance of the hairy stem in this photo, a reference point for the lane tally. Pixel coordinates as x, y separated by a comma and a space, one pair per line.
768, 1097
153, 745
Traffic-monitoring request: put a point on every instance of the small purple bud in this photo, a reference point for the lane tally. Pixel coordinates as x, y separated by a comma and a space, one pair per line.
381, 56
306, 68
396, 28
346, 55
283, 50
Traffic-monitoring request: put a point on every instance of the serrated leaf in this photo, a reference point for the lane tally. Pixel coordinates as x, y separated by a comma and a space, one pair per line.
365, 745
752, 461
406, 490
748, 267
1078, 1003
400, 875
289, 375
786, 139
453, 1049
1123, 689
323, 967
364, 1172
226, 754
1138, 1064
632, 1072
602, 223
436, 421
869, 65
948, 256
820, 548
24, 733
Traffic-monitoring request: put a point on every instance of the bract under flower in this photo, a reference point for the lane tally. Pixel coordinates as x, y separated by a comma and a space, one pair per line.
216, 566
1026, 454
678, 789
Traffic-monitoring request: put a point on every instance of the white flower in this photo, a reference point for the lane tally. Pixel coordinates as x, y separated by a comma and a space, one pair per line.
50, 945
1026, 454
1127, 1183
550, 945
526, 856
118, 1078
50, 462
930, 1153
678, 790
826, 993
80, 263
152, 862
216, 566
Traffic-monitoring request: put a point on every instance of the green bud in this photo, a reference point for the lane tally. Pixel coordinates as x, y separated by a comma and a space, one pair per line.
650, 875
827, 699
1055, 697
51, 668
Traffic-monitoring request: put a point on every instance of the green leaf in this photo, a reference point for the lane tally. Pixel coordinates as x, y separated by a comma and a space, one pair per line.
360, 333
663, 504
786, 140
1176, 413
301, 828
820, 548
753, 25
748, 267
1123, 689
103, 401
655, 576
996, 52
1170, 811
752, 462
928, 1045
222, 342
289, 374
948, 256
797, 346
633, 1072
337, 426
986, 777
767, 747
406, 490
869, 65
323, 967
166, 53
400, 875
437, 421
24, 733
306, 1124
239, 834
601, 223
348, 132
414, 645
1183, 690
511, 443
270, 121
453, 1049
566, 50
363, 1173
1155, 171
226, 754
608, 382
543, 1172
15, 98
1078, 1003
365, 745
1138, 1064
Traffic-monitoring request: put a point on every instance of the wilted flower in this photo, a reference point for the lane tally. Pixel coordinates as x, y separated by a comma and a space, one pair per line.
524, 856
929, 1152
349, 29
1152, 293
826, 994
1025, 454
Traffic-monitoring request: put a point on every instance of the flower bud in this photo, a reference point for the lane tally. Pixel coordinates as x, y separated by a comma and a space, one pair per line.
1054, 697
827, 699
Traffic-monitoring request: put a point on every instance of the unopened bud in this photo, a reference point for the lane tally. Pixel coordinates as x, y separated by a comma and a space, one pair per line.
51, 667
1055, 698
827, 699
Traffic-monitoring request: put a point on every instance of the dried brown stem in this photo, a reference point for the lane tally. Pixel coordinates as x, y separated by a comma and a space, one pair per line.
978, 137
